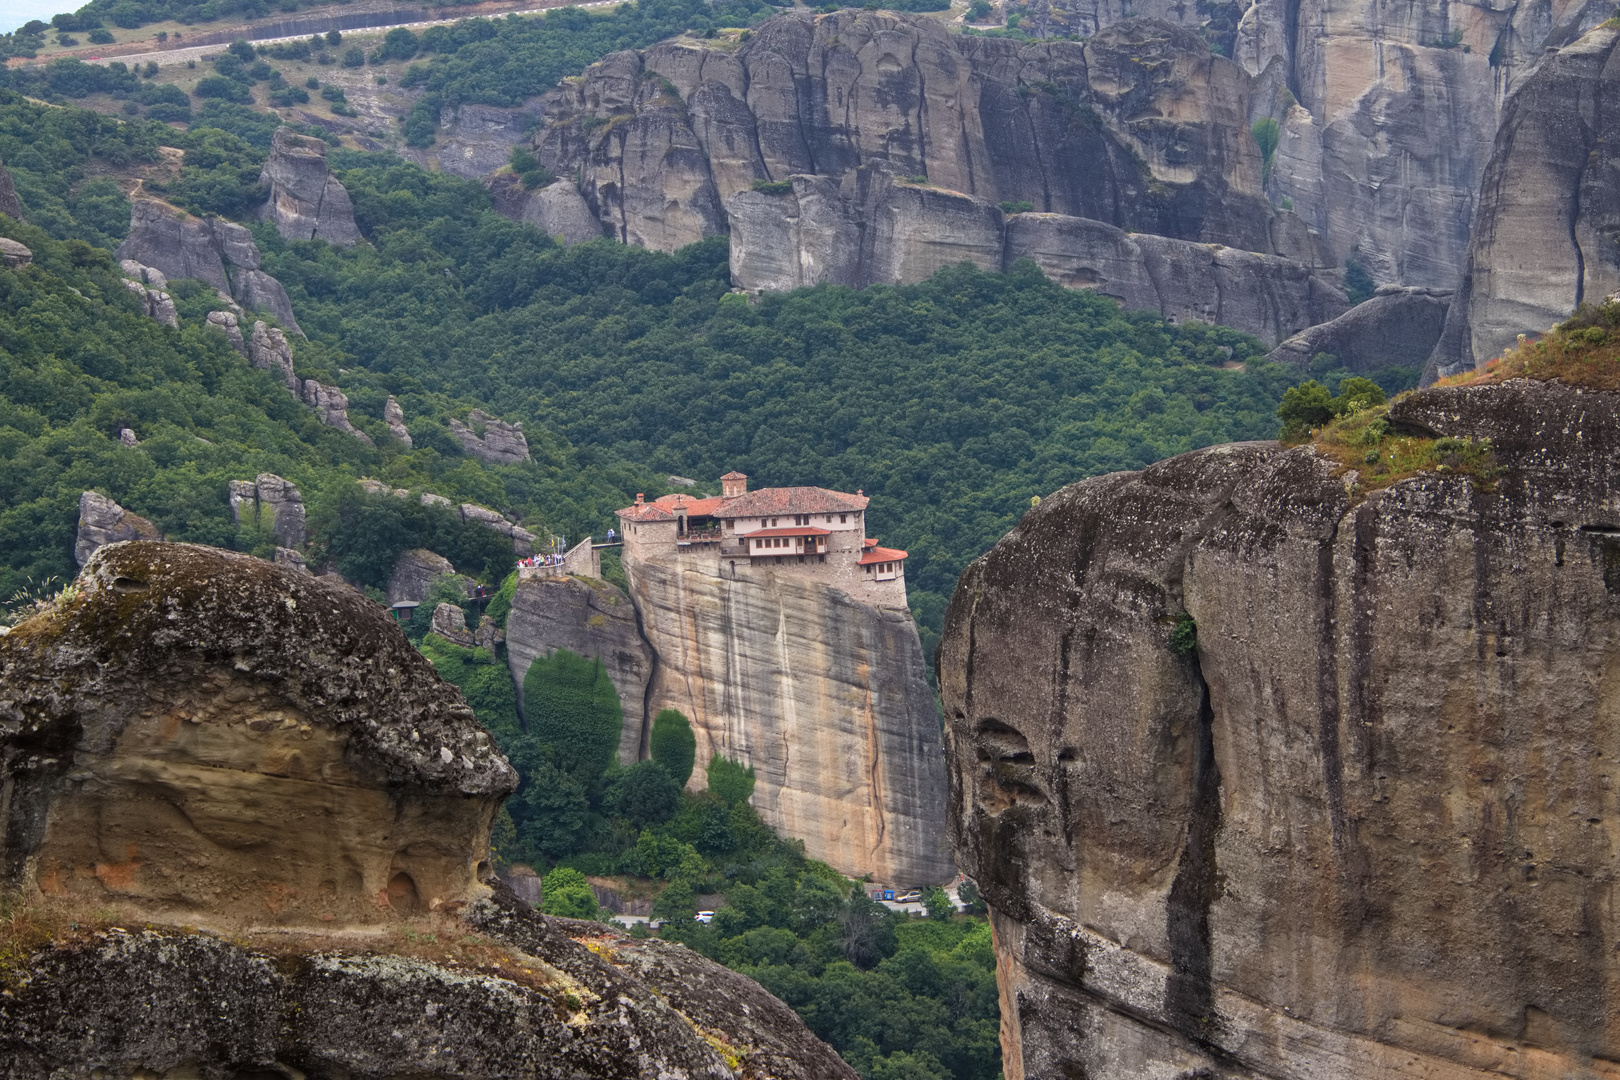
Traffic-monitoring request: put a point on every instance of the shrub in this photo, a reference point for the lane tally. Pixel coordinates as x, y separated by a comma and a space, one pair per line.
1184, 636
644, 795
354, 58
730, 782
1018, 206
774, 187
217, 86
566, 893
674, 747
99, 36
1358, 284
571, 705
334, 38
1266, 135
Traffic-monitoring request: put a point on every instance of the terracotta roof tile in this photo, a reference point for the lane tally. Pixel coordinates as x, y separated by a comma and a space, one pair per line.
694, 507
645, 512
881, 554
767, 502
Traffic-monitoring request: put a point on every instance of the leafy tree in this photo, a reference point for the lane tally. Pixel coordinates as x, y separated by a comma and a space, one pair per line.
1304, 407
643, 795
938, 903
572, 705
553, 812
730, 782
1266, 136
677, 901
866, 929
565, 892
674, 747
1359, 285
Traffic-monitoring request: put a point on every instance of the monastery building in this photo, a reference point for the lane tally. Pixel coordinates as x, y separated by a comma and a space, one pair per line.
806, 531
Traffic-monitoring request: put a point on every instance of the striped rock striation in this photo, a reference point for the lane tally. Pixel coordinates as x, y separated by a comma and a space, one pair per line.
1366, 824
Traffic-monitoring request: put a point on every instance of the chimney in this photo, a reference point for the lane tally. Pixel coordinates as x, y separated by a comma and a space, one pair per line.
733, 484
641, 497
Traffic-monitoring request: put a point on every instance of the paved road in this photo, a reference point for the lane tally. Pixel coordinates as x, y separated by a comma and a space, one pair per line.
166, 57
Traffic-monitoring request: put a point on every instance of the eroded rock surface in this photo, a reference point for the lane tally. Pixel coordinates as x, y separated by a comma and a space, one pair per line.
415, 573
332, 406
1544, 235
557, 209
1360, 828
198, 730
102, 521
227, 323
10, 204
306, 201
823, 695
588, 618
1396, 328
219, 252
271, 503
491, 440
267, 350
394, 417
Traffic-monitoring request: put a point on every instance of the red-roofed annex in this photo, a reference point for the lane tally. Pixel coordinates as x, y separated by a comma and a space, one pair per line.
812, 531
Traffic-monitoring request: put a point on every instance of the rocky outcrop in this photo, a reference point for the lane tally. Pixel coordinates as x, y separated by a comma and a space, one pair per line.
268, 350
589, 618
491, 440
306, 201
332, 406
198, 737
272, 504
10, 204
475, 140
822, 694
1545, 233
1140, 127
219, 252
394, 417
148, 284
14, 255
557, 209
227, 323
193, 732
102, 521
1396, 328
416, 572
522, 539
450, 623
1263, 776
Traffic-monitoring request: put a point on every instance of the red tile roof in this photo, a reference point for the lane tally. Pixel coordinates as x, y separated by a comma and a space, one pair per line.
735, 475
645, 512
869, 542
798, 530
694, 507
881, 554
768, 502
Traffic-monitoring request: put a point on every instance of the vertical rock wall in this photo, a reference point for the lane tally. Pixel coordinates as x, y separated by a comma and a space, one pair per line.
824, 696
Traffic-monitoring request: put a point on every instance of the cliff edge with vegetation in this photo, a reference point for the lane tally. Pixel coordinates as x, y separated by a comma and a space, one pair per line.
1291, 760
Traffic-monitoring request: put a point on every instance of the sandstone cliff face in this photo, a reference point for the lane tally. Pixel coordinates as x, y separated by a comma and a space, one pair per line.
194, 736
589, 618
103, 522
306, 201
823, 695
491, 440
1140, 127
1397, 327
557, 209
1545, 234
193, 730
219, 252
272, 503
10, 205
1366, 826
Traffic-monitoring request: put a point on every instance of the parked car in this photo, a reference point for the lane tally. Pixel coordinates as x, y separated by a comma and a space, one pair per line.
705, 917
912, 897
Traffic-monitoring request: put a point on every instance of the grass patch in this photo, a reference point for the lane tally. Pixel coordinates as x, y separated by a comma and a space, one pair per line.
1363, 443
1583, 350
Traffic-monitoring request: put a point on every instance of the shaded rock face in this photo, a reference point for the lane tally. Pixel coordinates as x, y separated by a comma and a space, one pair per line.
1397, 327
267, 350
450, 623
155, 303
1353, 832
102, 521
14, 255
10, 205
198, 731
491, 440
567, 1000
415, 573
591, 619
557, 209
394, 417
332, 406
306, 201
1140, 127
227, 323
1545, 233
219, 252
823, 695
475, 140
273, 504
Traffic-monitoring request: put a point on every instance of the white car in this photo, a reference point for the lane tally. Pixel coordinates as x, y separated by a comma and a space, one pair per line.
705, 917
912, 897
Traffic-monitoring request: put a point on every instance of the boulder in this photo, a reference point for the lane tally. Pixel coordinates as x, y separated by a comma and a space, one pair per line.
592, 619
227, 323
1543, 235
306, 201
292, 560
10, 205
256, 770
1265, 774
102, 521
450, 623
394, 417
273, 504
267, 350
416, 572
126, 437
491, 440
557, 209
13, 254
148, 284
219, 252
1398, 327
332, 406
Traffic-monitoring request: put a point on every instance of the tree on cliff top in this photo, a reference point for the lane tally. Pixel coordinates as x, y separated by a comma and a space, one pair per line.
674, 747
573, 707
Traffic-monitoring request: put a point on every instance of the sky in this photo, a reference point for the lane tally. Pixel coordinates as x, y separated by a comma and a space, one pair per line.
13, 13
